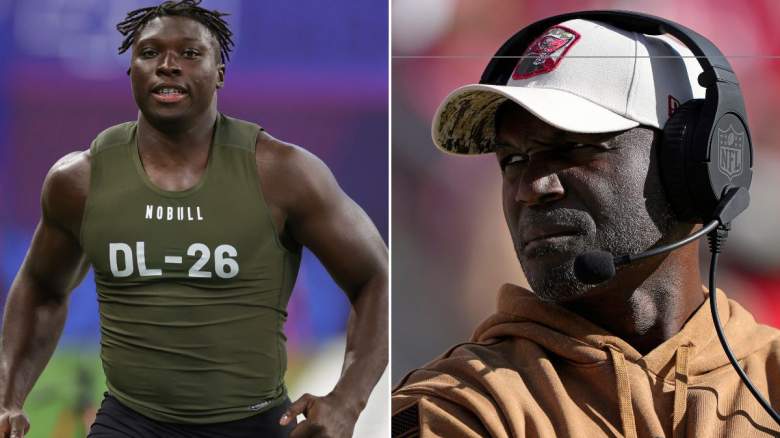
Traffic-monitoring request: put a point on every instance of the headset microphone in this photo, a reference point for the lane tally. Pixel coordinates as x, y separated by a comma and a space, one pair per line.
596, 267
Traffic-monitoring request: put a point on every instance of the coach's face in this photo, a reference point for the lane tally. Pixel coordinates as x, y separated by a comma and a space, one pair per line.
175, 69
567, 193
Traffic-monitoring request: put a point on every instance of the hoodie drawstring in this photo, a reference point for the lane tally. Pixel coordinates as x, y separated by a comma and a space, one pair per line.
680, 391
624, 394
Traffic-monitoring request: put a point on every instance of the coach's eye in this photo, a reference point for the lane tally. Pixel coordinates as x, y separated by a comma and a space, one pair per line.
513, 164
583, 151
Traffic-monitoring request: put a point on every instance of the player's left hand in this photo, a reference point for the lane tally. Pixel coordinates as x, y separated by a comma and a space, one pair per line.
326, 417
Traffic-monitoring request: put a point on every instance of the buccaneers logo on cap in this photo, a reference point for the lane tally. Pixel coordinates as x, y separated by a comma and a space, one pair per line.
545, 53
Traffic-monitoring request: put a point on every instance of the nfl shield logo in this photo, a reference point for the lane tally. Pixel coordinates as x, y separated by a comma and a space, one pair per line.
730, 146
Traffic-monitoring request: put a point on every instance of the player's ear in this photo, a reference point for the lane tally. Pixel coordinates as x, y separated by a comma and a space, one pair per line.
220, 76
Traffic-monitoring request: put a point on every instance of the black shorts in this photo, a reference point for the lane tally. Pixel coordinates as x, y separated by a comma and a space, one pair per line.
115, 420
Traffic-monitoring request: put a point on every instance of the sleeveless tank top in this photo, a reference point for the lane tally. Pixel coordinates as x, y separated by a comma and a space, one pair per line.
192, 285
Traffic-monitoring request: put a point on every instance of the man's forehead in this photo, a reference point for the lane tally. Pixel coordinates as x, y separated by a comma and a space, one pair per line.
179, 27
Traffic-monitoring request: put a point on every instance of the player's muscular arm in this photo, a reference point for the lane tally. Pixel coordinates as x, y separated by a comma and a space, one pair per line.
37, 301
312, 209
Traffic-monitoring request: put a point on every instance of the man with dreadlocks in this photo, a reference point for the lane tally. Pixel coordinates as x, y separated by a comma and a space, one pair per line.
193, 223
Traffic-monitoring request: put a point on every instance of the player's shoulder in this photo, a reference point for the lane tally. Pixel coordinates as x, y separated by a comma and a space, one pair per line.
288, 156
292, 178
69, 172
70, 175
65, 190
292, 166
115, 135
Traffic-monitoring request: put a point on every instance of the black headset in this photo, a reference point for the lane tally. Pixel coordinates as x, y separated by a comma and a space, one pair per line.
699, 160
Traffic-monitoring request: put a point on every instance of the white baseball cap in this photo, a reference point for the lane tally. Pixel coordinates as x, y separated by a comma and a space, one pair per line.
580, 76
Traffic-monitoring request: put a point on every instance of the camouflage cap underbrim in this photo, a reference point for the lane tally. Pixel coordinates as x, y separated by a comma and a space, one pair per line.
466, 123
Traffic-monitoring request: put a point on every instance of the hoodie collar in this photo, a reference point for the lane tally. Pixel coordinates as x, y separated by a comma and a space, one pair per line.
522, 314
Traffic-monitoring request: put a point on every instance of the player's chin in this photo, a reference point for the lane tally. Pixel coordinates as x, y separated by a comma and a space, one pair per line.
166, 114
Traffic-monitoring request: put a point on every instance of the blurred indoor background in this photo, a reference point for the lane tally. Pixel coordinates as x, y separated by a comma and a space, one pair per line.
451, 249
313, 73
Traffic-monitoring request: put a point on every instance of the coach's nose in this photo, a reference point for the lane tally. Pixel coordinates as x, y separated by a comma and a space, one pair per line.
539, 185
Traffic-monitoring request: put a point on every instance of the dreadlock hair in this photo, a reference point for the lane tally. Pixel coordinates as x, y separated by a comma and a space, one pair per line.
137, 19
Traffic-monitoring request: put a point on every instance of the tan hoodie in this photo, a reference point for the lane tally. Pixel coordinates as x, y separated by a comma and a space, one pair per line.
535, 369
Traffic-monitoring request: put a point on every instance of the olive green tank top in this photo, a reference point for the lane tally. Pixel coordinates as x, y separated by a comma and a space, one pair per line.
192, 285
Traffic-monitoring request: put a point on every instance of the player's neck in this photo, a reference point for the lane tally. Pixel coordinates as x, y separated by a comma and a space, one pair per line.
179, 140
651, 308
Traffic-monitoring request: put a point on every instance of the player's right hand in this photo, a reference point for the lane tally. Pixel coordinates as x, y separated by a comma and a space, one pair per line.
13, 423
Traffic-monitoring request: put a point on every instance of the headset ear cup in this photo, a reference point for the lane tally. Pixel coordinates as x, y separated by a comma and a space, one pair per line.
677, 144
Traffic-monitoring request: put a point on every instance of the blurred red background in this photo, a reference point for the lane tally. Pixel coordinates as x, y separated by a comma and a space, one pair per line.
451, 249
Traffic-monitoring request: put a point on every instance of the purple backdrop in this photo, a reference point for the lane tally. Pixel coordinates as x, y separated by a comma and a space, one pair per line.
312, 73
